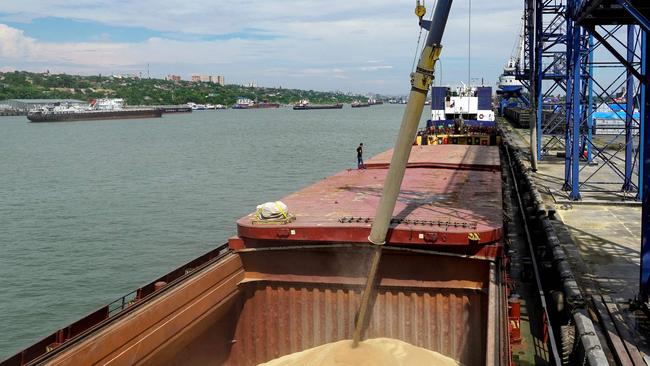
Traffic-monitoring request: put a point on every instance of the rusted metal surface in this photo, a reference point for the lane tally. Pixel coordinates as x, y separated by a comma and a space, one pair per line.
167, 323
279, 319
259, 304
282, 314
106, 314
444, 156
348, 266
435, 207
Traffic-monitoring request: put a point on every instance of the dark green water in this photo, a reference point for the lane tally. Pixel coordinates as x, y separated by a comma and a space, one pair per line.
92, 210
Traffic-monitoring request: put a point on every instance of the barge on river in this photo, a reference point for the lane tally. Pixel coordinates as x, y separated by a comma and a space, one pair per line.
306, 105
101, 109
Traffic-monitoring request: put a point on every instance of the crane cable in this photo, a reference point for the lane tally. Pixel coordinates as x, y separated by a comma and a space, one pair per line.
469, 46
417, 47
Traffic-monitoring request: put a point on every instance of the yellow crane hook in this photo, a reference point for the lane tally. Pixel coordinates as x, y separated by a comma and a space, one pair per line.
420, 9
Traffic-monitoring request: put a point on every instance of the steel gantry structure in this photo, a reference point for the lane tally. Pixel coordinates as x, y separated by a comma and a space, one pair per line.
602, 19
590, 50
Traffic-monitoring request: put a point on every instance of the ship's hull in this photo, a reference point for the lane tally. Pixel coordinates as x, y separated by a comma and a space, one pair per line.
361, 105
285, 287
94, 115
256, 106
324, 106
265, 105
177, 109
510, 88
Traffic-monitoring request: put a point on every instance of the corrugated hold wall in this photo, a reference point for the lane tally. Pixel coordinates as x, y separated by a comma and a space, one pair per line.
279, 318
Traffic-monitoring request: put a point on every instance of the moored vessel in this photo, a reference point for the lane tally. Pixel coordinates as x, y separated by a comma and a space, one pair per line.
100, 109
174, 108
358, 104
197, 107
265, 104
245, 103
306, 105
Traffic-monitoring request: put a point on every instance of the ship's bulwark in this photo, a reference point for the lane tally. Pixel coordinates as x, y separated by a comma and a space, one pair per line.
255, 306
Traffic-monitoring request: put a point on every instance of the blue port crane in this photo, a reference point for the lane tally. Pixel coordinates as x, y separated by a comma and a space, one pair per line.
565, 40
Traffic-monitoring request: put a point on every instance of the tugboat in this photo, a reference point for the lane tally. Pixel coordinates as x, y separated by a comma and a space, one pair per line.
99, 109
305, 105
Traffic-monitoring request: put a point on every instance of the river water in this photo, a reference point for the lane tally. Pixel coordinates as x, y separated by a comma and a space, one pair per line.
92, 210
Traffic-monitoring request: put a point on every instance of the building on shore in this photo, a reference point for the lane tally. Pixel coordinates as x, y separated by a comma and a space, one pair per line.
127, 76
218, 79
215, 79
175, 78
27, 104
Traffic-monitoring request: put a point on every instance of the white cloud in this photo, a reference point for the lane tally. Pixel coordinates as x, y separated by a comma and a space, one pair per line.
375, 68
8, 68
14, 44
326, 42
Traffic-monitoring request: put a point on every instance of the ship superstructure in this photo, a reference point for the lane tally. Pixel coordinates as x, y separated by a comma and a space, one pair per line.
509, 87
246, 103
464, 102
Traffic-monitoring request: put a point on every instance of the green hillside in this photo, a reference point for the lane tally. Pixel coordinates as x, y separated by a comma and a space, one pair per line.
27, 85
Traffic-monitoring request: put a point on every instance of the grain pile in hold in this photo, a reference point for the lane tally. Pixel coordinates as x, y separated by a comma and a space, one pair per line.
371, 352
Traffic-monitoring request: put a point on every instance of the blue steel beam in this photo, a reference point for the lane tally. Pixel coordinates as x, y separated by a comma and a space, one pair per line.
642, 113
569, 107
614, 52
644, 279
584, 7
629, 110
640, 18
576, 110
550, 61
538, 75
590, 98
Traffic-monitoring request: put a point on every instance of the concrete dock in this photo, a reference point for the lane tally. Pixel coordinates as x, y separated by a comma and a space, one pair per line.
601, 235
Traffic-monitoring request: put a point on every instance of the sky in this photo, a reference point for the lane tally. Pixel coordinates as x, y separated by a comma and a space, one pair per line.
351, 46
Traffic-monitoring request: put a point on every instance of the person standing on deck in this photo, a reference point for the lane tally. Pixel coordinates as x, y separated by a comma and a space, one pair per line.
360, 164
